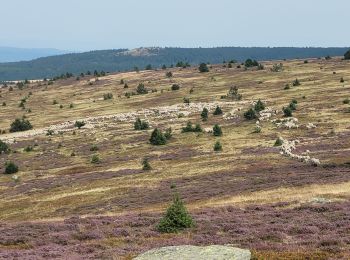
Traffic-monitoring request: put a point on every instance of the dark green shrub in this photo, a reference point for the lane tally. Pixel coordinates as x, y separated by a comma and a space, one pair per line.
251, 63
259, 106
157, 137
107, 96
293, 106
217, 111
203, 68
121, 82
176, 218
148, 67
186, 100
346, 101
140, 125
28, 149
175, 87
250, 114
169, 74
141, 89
49, 132
296, 83
204, 114
94, 148
347, 55
4, 148
54, 102
287, 111
126, 85
95, 159
79, 124
278, 142
189, 128
168, 133
20, 125
342, 80
306, 61
145, 165
233, 93
10, 168
217, 146
217, 131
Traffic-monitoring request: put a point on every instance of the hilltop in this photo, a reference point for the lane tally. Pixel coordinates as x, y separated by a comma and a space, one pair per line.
127, 60
279, 186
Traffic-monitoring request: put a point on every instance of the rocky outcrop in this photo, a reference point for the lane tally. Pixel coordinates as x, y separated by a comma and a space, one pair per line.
187, 252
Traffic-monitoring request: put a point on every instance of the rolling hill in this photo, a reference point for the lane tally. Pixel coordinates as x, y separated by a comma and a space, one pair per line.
124, 60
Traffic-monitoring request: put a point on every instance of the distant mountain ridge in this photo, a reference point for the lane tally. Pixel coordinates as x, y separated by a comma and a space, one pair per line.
11, 54
125, 59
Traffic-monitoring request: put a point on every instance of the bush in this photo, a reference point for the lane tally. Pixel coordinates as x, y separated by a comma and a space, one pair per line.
217, 146
296, 83
145, 165
107, 96
287, 111
293, 106
95, 159
157, 137
94, 148
347, 55
233, 93
79, 124
168, 133
204, 114
140, 125
4, 148
203, 68
175, 87
342, 80
189, 128
141, 89
278, 142
259, 106
250, 63
217, 111
217, 131
169, 74
176, 218
345, 101
186, 100
28, 149
10, 168
20, 125
250, 114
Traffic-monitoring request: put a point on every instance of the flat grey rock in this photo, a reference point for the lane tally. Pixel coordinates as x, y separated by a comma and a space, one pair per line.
214, 252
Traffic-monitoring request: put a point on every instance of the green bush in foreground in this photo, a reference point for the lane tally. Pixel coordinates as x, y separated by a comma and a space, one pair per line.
176, 218
4, 148
217, 131
145, 165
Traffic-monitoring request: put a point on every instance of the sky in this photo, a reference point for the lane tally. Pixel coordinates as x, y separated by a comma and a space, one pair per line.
80, 25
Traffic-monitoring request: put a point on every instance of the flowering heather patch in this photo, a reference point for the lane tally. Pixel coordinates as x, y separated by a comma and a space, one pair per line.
304, 231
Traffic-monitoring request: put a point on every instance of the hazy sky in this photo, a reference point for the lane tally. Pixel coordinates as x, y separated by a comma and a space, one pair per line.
104, 24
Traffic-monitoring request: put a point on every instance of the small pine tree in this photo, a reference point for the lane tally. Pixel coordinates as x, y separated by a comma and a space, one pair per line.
259, 106
10, 168
175, 87
204, 114
140, 125
20, 125
145, 165
217, 146
141, 89
217, 111
217, 131
169, 74
347, 55
176, 218
341, 80
157, 137
168, 133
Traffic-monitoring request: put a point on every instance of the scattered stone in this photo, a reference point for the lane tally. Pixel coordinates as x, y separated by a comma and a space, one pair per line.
214, 252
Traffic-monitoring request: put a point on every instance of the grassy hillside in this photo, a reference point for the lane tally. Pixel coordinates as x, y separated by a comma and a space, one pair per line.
252, 194
124, 60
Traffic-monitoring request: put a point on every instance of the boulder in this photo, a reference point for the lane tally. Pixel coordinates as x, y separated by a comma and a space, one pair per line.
187, 252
